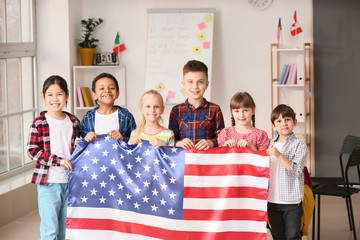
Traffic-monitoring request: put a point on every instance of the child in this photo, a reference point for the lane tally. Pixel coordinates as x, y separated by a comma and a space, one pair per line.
51, 142
196, 122
151, 108
243, 133
286, 179
106, 118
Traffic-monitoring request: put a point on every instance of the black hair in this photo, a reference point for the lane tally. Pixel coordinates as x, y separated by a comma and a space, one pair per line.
55, 79
104, 75
284, 111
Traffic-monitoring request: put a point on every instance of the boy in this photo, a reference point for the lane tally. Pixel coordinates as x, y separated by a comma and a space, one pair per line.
196, 122
286, 179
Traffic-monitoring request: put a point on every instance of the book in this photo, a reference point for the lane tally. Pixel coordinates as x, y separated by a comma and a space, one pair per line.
286, 75
282, 74
87, 97
293, 79
288, 80
80, 97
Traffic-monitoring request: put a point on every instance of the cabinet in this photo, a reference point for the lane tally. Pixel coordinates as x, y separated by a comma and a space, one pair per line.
297, 93
83, 77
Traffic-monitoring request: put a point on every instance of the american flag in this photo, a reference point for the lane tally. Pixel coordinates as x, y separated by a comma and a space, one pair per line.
279, 31
118, 191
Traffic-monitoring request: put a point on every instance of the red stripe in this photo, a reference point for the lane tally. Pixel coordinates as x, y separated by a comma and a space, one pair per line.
221, 150
225, 192
135, 228
224, 170
224, 215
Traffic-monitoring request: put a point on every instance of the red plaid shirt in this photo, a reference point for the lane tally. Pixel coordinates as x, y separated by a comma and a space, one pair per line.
39, 147
204, 122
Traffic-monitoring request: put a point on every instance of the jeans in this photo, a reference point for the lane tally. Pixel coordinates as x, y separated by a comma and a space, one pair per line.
285, 220
52, 200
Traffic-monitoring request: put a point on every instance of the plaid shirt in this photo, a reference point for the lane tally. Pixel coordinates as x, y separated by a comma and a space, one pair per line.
291, 183
204, 122
126, 122
39, 147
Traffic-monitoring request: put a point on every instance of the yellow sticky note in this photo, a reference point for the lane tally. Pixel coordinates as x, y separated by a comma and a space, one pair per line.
160, 87
183, 92
196, 50
201, 36
209, 17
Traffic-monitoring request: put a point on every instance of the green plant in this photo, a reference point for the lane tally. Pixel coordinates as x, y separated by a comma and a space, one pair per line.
88, 27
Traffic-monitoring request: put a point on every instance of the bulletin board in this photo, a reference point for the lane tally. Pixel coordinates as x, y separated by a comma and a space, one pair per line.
176, 36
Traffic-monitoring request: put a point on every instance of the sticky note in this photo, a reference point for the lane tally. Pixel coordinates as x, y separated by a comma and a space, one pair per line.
202, 25
160, 87
209, 17
183, 92
171, 94
206, 45
201, 36
196, 50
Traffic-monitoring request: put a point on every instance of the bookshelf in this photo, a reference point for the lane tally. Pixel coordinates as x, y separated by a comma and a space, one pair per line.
297, 92
83, 77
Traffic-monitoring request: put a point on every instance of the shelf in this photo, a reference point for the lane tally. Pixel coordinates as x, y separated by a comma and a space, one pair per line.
288, 85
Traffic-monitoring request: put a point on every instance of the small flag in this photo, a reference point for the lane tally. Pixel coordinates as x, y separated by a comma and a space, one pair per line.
119, 45
279, 30
295, 27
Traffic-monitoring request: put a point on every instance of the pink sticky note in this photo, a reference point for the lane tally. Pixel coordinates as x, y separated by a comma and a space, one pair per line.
206, 45
202, 25
171, 94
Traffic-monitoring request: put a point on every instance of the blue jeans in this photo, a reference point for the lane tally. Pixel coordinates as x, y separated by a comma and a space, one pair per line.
52, 200
285, 220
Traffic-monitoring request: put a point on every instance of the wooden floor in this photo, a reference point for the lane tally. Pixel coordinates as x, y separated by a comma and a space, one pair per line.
334, 223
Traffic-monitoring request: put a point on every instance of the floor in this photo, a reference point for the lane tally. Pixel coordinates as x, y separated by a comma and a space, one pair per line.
334, 223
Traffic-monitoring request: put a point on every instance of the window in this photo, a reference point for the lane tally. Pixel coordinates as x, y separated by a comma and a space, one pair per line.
17, 81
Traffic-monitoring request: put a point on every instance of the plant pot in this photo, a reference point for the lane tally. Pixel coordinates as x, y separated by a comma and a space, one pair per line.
87, 56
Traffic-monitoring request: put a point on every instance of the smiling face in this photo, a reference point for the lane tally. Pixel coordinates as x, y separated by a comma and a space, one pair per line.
242, 116
195, 84
105, 91
151, 107
55, 99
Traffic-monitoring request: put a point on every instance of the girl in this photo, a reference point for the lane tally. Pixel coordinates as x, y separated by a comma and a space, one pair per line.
243, 132
106, 118
151, 107
51, 142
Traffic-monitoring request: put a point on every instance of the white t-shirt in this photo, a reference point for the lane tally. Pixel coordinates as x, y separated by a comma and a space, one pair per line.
60, 145
106, 123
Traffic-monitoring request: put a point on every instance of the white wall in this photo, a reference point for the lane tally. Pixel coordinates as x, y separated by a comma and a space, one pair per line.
241, 54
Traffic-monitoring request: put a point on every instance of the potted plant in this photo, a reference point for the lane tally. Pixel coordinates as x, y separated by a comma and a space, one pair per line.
88, 44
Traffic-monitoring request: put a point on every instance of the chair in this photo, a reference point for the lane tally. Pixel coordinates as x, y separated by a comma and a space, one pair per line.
343, 190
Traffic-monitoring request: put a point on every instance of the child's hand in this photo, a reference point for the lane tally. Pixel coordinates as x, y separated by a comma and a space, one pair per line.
185, 143
90, 136
230, 143
134, 140
115, 134
242, 143
273, 151
157, 142
204, 144
68, 164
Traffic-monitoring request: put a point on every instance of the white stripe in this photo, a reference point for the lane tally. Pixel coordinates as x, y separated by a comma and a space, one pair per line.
225, 203
75, 234
227, 158
226, 181
165, 223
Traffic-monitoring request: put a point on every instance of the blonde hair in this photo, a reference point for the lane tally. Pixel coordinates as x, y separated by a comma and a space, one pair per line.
242, 100
140, 126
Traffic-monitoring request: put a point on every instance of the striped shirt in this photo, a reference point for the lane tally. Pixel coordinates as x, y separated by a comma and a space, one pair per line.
165, 134
291, 182
204, 122
39, 149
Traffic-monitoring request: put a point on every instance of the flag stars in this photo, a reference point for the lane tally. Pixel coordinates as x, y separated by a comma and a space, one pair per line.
173, 150
146, 183
140, 144
173, 165
129, 181
121, 171
162, 202
147, 152
172, 180
113, 161
172, 195
123, 144
121, 156
87, 152
154, 208
103, 168
138, 159
145, 199
164, 171
147, 168
155, 177
137, 190
112, 177
102, 199
95, 160
171, 211
84, 199
97, 145
129, 151
128, 196
165, 156
94, 176
105, 153
120, 186
138, 174
93, 191
136, 205
156, 161
164, 186
107, 138
85, 168
103, 184
111, 192
155, 192
115, 146
129, 166
119, 201
85, 183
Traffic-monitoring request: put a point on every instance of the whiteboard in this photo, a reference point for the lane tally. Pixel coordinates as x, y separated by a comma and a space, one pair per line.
176, 36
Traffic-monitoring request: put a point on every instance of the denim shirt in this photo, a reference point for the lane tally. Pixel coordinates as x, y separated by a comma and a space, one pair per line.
291, 182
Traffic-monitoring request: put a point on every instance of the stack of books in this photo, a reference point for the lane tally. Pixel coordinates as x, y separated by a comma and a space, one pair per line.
288, 74
84, 97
